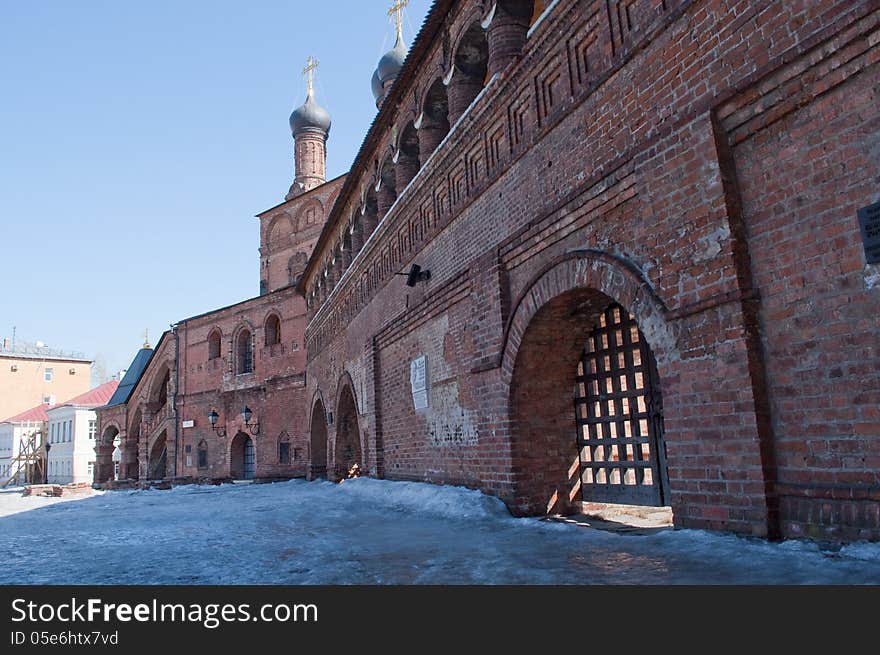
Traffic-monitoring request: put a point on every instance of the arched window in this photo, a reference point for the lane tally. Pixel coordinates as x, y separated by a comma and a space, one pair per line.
244, 353
284, 448
273, 330
203, 454
214, 345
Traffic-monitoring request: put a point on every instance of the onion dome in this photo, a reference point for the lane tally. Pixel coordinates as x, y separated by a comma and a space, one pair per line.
389, 67
376, 83
310, 115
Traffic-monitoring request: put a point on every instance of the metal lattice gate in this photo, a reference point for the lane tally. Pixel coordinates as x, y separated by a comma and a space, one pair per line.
248, 472
619, 415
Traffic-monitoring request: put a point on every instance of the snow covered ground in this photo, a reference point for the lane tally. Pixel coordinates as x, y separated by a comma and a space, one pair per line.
372, 532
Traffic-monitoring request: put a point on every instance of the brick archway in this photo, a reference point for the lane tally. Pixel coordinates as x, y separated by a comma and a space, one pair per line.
615, 277
545, 340
242, 457
158, 457
104, 465
348, 450
318, 440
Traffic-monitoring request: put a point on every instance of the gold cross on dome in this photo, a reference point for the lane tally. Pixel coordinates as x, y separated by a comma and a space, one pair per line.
397, 9
308, 71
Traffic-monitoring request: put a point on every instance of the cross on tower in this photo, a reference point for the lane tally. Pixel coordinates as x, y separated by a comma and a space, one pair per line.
308, 71
397, 9
146, 338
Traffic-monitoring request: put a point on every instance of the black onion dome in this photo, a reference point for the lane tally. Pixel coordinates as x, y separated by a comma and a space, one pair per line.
392, 61
310, 115
376, 84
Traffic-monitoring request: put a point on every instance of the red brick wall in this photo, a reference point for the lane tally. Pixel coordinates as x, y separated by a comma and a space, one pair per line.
806, 160
291, 229
630, 141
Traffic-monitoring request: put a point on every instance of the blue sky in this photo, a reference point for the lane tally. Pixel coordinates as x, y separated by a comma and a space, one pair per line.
138, 141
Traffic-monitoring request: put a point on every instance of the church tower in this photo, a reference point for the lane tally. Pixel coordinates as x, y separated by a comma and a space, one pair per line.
310, 125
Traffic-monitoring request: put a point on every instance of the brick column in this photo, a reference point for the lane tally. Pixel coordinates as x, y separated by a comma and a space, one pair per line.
357, 235
461, 92
370, 221
340, 265
430, 136
507, 34
405, 170
385, 198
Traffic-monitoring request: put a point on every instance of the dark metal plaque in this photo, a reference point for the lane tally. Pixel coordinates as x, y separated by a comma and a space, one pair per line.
869, 222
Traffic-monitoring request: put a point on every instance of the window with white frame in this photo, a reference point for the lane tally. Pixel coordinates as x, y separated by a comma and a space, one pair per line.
93, 429
90, 471
48, 374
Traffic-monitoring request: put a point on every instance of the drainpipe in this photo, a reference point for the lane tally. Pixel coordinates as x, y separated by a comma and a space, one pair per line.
176, 391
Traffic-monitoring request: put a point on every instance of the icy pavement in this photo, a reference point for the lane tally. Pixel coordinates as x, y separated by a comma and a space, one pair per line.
373, 532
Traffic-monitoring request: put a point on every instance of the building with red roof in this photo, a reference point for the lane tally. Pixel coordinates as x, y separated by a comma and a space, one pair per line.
71, 429
67, 427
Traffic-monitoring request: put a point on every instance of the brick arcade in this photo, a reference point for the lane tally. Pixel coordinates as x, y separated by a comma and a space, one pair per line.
647, 281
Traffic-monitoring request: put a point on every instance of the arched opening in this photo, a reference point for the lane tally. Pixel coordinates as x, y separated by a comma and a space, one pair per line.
242, 462
159, 392
585, 402
158, 460
470, 70
244, 356
387, 192
370, 213
202, 451
356, 231
273, 330
128, 467
108, 445
407, 158
348, 458
318, 442
434, 121
117, 459
214, 344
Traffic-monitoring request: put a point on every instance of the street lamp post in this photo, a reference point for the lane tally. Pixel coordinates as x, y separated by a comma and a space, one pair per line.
46, 467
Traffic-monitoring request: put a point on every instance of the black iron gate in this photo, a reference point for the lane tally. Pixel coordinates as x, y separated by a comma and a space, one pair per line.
248, 460
619, 415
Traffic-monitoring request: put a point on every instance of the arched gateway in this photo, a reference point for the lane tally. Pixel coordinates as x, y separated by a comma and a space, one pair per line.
242, 464
585, 394
348, 458
318, 442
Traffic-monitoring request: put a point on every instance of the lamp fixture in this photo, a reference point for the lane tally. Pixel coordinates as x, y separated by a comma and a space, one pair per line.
246, 414
416, 274
212, 418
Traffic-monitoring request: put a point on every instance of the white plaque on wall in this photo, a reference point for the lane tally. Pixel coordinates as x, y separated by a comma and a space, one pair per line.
418, 380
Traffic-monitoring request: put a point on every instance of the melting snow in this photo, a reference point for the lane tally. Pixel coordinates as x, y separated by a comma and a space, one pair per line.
368, 531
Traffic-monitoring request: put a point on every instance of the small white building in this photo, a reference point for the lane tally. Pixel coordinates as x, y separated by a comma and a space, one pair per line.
14, 430
71, 430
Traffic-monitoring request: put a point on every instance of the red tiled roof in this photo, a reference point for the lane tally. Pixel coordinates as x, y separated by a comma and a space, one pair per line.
34, 414
95, 398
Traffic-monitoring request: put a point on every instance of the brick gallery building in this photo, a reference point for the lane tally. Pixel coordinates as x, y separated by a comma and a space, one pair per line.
590, 251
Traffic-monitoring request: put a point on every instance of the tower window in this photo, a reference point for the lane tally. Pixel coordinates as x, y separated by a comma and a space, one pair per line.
273, 330
214, 345
244, 353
